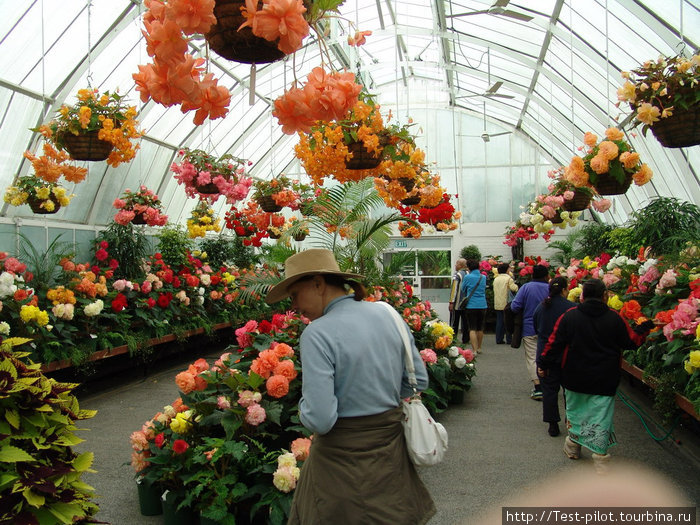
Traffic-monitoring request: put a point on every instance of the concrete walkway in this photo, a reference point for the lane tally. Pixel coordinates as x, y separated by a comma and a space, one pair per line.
498, 443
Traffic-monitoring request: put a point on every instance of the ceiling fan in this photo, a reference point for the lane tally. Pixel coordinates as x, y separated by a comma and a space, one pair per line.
498, 8
486, 136
493, 88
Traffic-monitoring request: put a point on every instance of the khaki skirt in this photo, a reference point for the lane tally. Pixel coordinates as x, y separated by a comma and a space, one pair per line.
359, 473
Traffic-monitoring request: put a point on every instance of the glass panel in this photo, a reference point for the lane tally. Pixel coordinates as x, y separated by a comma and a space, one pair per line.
433, 262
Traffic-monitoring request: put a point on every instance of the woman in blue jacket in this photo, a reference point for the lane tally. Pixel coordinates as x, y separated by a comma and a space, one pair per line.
474, 294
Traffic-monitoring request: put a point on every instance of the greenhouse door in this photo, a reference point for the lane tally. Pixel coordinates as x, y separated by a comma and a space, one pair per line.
425, 264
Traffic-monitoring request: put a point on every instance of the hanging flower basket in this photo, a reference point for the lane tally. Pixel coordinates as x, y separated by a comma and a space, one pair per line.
299, 237
139, 218
680, 130
87, 146
607, 185
268, 204
361, 158
207, 189
557, 218
240, 46
273, 234
35, 204
579, 202
411, 201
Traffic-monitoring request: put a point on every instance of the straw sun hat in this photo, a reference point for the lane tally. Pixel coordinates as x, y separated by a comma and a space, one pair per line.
308, 262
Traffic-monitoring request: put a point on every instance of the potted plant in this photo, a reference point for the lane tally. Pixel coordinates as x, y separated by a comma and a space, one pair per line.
41, 473
97, 127
274, 194
206, 176
609, 165
42, 197
352, 146
202, 221
139, 207
665, 97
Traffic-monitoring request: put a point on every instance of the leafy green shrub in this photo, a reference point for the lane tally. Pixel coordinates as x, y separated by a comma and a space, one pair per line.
219, 250
173, 245
39, 472
665, 225
470, 252
594, 238
129, 246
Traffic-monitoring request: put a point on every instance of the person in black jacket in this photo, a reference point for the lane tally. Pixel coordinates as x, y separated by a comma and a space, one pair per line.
544, 318
588, 340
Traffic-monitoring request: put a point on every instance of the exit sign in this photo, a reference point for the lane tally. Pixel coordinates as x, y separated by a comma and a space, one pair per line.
401, 244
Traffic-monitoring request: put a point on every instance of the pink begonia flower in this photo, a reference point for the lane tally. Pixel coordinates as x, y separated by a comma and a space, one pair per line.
467, 354
602, 205
223, 402
13, 265
609, 279
138, 461
248, 397
138, 440
668, 279
243, 334
429, 356
255, 414
224, 357
146, 287
568, 195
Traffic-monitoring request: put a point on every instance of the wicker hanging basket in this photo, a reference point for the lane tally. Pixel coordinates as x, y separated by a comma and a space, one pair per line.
268, 204
207, 189
240, 46
607, 185
680, 130
410, 201
580, 201
299, 237
87, 146
361, 158
273, 235
557, 218
35, 205
139, 218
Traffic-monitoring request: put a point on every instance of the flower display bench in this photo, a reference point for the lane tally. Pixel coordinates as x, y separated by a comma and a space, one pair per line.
124, 349
683, 402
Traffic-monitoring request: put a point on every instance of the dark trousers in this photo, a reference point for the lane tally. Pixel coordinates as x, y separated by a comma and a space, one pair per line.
501, 328
458, 317
550, 395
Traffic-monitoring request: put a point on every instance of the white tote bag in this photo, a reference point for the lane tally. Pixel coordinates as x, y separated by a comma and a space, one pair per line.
426, 439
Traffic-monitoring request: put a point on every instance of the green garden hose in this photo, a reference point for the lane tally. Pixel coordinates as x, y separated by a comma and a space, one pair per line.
641, 414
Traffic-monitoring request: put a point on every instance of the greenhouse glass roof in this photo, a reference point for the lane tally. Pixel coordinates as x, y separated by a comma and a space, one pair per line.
539, 72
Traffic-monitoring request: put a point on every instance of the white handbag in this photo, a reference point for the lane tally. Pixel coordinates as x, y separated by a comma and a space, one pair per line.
426, 439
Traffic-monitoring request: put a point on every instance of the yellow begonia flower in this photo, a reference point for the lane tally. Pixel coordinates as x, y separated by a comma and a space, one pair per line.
697, 333
574, 294
695, 358
181, 424
688, 367
228, 278
615, 302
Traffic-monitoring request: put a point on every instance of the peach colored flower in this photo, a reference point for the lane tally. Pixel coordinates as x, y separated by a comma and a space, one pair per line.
643, 176
359, 38
293, 112
286, 369
629, 159
192, 16
248, 397
608, 149
300, 448
265, 363
648, 114
278, 19
599, 164
185, 382
614, 134
589, 139
277, 386
282, 350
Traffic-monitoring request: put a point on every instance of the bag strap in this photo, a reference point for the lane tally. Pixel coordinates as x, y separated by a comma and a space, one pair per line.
466, 301
401, 325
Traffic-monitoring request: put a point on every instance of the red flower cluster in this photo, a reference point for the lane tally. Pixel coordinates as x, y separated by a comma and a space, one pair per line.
119, 303
443, 212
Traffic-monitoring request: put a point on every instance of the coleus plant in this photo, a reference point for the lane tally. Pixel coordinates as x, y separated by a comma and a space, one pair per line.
40, 475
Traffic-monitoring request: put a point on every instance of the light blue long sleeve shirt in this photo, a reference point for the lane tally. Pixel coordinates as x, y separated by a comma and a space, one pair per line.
352, 360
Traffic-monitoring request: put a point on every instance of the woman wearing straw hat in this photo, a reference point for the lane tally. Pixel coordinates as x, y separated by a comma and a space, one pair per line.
358, 470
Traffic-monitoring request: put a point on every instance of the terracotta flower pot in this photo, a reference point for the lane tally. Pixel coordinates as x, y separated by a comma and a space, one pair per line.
87, 146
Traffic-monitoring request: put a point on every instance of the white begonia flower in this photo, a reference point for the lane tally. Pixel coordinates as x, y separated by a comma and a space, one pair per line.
460, 362
470, 365
453, 351
200, 290
444, 361
206, 279
644, 267
4, 328
7, 284
199, 300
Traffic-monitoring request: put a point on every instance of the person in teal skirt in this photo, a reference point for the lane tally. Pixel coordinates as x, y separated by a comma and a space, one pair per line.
587, 343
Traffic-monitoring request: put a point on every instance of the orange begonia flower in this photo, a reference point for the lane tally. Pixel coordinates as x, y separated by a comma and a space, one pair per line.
293, 112
359, 38
193, 16
278, 19
164, 41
